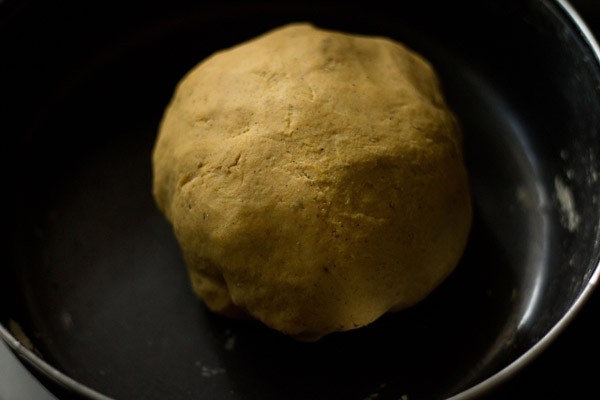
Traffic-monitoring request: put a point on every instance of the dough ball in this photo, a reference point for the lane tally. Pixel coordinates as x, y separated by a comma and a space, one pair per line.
314, 180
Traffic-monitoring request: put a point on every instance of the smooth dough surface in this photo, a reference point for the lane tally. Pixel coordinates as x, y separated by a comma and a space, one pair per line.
314, 179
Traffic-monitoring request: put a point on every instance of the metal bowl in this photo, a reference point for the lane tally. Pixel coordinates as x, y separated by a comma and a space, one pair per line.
95, 297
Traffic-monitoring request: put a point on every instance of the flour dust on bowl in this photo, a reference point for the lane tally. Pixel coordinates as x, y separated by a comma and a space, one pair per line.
96, 286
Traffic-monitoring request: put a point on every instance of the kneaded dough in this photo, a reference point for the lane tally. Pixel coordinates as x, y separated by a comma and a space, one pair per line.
314, 179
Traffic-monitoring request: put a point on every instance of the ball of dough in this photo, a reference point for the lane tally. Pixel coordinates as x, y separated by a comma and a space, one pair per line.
314, 179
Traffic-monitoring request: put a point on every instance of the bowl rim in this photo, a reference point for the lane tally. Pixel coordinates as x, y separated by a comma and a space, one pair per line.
482, 388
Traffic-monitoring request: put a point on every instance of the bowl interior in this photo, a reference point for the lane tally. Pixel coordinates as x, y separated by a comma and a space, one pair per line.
96, 280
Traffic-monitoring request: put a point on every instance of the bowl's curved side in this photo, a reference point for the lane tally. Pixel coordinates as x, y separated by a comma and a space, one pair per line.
46, 370
506, 373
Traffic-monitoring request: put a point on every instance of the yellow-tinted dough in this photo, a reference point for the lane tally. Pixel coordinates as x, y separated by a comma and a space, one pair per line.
314, 180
